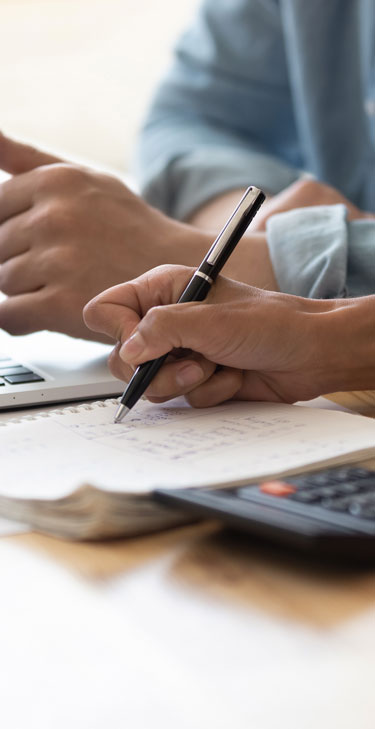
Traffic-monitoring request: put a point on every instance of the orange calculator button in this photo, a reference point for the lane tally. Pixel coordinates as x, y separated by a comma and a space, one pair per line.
277, 488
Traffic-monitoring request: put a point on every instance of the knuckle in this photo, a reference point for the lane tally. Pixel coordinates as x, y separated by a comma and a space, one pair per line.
154, 318
50, 262
305, 186
59, 176
50, 219
157, 322
72, 175
41, 221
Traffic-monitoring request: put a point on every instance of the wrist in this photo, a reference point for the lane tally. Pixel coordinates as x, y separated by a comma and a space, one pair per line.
250, 263
180, 243
342, 337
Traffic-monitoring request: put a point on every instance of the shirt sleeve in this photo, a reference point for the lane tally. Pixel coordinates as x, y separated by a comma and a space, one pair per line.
316, 253
223, 116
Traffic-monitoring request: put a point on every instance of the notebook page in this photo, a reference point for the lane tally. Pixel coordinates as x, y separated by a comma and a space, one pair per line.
170, 445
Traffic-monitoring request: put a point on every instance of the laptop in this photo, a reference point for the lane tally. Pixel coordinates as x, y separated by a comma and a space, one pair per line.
48, 368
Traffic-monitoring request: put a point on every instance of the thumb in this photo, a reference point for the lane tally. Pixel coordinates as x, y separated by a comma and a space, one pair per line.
16, 157
165, 328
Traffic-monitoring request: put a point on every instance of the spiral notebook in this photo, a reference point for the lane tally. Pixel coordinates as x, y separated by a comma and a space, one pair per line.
74, 473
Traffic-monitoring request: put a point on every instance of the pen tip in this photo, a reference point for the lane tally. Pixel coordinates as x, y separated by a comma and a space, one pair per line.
121, 412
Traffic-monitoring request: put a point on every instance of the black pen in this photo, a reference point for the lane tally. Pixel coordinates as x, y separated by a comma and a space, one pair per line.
198, 287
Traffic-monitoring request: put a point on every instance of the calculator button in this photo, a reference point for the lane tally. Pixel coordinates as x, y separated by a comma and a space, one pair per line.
364, 510
307, 496
319, 479
349, 488
366, 484
361, 473
337, 504
327, 491
277, 488
344, 474
360, 505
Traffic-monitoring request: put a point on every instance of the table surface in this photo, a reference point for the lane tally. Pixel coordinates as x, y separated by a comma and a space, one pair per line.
190, 628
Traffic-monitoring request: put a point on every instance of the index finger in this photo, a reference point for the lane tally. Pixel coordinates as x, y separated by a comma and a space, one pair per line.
16, 157
16, 195
114, 312
118, 310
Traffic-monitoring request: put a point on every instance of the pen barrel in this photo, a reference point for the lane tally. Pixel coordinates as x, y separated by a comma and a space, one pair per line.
200, 284
197, 288
229, 238
141, 380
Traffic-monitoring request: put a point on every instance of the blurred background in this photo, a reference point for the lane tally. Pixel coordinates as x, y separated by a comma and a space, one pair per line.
76, 75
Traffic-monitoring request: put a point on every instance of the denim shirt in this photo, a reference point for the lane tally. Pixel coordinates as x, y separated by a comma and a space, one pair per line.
262, 92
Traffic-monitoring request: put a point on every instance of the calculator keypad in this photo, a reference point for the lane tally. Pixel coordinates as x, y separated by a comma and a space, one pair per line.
347, 490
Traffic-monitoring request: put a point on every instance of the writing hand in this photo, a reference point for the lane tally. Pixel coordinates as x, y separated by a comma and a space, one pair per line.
241, 343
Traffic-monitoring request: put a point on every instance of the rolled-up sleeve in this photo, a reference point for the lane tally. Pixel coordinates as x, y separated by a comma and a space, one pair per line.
316, 253
223, 117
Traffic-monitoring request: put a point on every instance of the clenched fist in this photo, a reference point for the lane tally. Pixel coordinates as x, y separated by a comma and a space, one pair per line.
67, 233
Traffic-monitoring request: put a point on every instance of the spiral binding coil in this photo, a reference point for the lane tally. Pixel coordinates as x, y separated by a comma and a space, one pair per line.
63, 411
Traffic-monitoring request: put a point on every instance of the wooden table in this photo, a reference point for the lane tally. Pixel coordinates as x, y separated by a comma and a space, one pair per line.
188, 629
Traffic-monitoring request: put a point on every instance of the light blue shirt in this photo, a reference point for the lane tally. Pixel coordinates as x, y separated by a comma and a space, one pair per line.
261, 92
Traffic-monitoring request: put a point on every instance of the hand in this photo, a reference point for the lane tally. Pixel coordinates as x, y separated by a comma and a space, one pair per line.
241, 343
303, 194
67, 233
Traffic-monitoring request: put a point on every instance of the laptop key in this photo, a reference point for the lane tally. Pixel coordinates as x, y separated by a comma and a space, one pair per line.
22, 379
14, 370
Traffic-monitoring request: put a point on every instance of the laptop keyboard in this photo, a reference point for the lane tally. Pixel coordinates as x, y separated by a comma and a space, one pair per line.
14, 373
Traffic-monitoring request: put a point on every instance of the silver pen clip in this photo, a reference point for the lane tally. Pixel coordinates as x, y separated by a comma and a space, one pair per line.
247, 200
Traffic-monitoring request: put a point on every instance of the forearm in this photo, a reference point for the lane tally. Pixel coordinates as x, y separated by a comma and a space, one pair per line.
344, 344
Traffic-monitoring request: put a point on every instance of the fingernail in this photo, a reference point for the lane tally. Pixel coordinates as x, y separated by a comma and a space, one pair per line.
133, 347
190, 374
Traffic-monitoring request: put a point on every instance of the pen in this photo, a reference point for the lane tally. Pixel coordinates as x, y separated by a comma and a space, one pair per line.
198, 287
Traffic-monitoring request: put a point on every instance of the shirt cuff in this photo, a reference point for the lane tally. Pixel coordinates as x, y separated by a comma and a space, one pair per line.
361, 257
309, 251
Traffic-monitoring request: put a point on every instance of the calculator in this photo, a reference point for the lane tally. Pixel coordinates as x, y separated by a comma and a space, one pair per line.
331, 512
